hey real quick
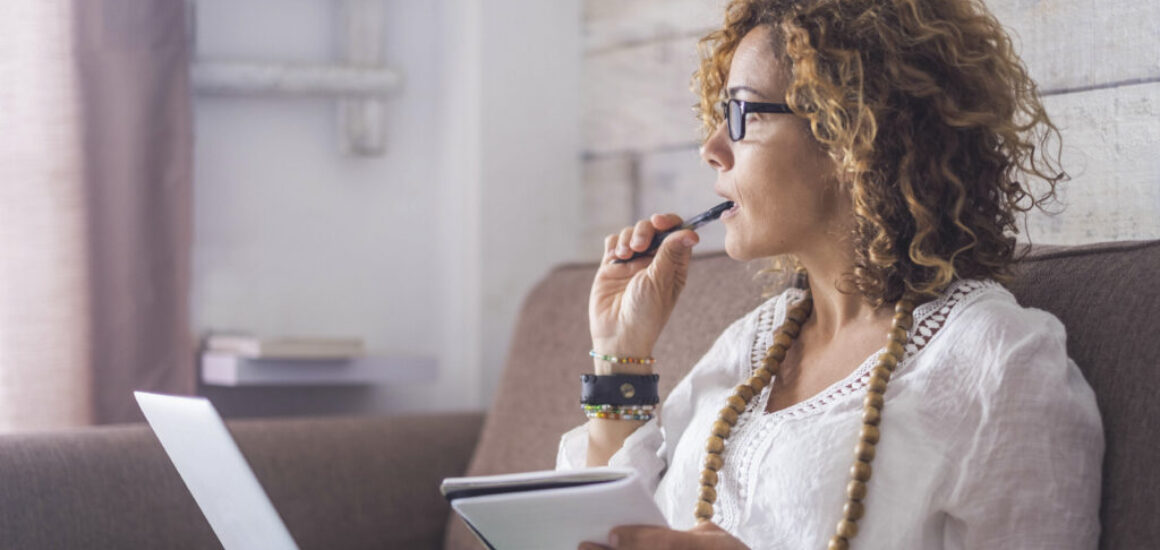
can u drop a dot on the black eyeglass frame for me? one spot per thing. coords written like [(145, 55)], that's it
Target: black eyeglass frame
[(737, 130)]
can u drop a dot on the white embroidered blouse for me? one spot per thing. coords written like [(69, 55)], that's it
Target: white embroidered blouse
[(990, 438)]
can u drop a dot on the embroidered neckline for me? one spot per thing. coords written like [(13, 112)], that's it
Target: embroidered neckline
[(929, 318)]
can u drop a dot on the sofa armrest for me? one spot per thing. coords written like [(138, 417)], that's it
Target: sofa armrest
[(337, 483)]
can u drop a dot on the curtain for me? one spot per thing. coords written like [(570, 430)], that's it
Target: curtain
[(95, 220)]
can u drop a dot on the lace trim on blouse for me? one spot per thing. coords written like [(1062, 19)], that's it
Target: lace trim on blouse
[(745, 444)]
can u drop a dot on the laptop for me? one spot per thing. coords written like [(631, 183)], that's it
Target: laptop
[(216, 473)]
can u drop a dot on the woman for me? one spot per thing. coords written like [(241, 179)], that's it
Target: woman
[(876, 143)]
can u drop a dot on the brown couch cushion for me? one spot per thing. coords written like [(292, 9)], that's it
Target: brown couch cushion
[(336, 482), (1102, 293), (1105, 296)]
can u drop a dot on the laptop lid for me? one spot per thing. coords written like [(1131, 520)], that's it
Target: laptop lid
[(216, 473)]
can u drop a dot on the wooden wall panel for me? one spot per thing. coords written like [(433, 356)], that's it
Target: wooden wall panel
[(616, 23), (1076, 44), (637, 98), (1110, 139), (609, 198)]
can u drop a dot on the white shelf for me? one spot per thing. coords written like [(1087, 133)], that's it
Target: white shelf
[(219, 369), (231, 78)]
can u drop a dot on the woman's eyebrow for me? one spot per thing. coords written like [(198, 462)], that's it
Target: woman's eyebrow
[(733, 91)]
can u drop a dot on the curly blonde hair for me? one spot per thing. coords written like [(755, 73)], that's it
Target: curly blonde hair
[(929, 115)]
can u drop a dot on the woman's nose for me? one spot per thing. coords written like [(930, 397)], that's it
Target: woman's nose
[(716, 150)]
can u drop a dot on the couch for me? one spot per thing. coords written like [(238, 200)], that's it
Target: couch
[(372, 482)]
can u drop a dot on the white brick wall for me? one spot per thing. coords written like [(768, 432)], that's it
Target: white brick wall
[(1097, 64)]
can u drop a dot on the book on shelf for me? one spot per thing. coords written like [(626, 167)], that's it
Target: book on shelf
[(551, 509), (254, 347)]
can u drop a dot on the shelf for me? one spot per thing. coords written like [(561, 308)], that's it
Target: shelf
[(238, 78), (358, 80), (231, 370)]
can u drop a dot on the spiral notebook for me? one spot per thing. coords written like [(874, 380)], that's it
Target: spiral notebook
[(551, 509)]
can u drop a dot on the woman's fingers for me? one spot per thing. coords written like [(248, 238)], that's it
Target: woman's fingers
[(622, 249), (702, 537), (642, 235), (665, 221), (592, 546), (672, 260), (707, 527), (609, 246), (638, 238), (640, 537)]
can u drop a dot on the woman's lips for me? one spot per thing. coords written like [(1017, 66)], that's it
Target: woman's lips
[(731, 212)]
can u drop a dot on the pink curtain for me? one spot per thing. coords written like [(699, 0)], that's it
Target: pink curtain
[(95, 221)]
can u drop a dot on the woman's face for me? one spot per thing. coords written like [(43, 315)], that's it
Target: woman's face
[(783, 184)]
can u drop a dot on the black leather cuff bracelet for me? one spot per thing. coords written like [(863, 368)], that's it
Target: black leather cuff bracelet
[(619, 389)]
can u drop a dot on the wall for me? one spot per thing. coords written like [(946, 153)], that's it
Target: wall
[(1096, 65), (425, 251), (530, 162)]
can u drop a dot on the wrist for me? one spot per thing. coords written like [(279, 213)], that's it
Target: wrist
[(604, 367), (621, 348), (605, 363)]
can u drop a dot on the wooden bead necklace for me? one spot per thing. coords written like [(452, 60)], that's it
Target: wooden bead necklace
[(871, 413)]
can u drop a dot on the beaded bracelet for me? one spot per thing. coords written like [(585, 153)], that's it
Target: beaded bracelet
[(614, 359), (619, 408), (619, 412), (619, 416), (616, 416)]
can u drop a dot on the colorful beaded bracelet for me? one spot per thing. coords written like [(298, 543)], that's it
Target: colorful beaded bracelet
[(620, 412), (618, 408), (619, 416), (614, 359)]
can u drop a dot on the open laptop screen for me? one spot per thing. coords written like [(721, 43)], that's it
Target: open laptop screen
[(216, 473)]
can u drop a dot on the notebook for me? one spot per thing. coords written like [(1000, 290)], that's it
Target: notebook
[(550, 510), (215, 472)]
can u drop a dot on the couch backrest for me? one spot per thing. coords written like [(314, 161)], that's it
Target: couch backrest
[(336, 482), (1104, 295)]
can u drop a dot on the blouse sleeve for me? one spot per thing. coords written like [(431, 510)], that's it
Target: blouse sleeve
[(641, 451), (1026, 473)]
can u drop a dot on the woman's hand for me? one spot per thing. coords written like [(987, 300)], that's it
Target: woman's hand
[(631, 302), (705, 536)]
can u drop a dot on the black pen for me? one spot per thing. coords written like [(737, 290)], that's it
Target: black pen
[(693, 223)]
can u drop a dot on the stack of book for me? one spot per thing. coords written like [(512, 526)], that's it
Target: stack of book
[(241, 359), (301, 348)]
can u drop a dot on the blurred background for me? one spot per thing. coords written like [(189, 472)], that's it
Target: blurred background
[(398, 174)]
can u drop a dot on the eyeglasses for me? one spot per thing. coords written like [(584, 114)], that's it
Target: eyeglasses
[(735, 111)]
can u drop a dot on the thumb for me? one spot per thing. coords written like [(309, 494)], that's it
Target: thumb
[(672, 258)]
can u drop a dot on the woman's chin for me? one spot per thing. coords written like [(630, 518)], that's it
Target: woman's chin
[(736, 251), (744, 251)]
